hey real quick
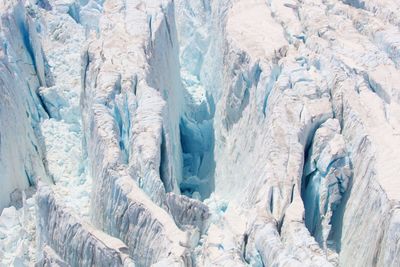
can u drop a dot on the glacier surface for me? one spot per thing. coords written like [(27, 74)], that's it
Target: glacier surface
[(199, 133)]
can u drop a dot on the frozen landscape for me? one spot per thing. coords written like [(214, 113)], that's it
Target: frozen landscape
[(200, 133)]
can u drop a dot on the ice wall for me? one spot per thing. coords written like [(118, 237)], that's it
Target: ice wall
[(326, 177), (274, 96), (308, 83), (355, 81), (87, 246), (50, 258), (23, 70), (131, 124)]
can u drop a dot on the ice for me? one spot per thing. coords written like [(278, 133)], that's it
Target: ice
[(325, 180), (196, 123), (188, 212), (199, 133), (119, 206), (50, 258), (58, 128), (86, 246), (21, 156), (62, 132), (17, 235)]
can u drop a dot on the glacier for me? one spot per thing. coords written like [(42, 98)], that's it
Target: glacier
[(199, 133)]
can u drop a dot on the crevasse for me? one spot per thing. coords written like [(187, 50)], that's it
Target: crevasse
[(196, 124)]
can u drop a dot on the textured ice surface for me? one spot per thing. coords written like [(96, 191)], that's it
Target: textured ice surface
[(17, 235), (21, 74), (199, 133), (86, 245)]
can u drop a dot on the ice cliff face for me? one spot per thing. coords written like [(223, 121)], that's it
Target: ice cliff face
[(22, 158), (199, 133)]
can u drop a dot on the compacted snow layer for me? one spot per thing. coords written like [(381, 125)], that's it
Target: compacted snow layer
[(199, 133)]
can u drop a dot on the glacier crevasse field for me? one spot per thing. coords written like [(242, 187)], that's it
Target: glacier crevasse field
[(199, 133)]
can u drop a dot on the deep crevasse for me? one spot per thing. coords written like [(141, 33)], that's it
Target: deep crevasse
[(196, 125)]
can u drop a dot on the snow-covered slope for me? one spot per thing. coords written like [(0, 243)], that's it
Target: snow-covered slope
[(199, 133)]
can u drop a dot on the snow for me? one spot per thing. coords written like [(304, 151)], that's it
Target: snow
[(253, 29)]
